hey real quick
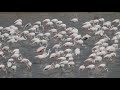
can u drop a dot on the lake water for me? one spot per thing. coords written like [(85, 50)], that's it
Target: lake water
[(8, 18)]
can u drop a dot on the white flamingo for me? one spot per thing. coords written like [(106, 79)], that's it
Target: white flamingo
[(14, 67), (98, 59), (68, 50), (41, 49), (18, 20), (77, 51), (54, 20), (74, 20), (91, 66), (57, 66), (44, 55), (49, 67), (103, 66), (82, 67), (62, 58), (9, 64), (2, 66), (68, 44), (71, 64)]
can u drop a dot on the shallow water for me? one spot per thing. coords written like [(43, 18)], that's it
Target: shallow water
[(7, 19)]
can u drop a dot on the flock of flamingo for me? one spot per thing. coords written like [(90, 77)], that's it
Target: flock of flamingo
[(59, 44)]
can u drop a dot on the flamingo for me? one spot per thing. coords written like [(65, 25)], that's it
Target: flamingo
[(12, 40), (78, 37), (104, 52), (117, 33), (102, 48), (16, 50), (1, 28), (82, 67), (91, 66), (110, 48), (105, 28), (63, 25), (2, 66), (49, 23), (101, 19), (89, 60), (68, 44), (93, 55), (46, 20), (40, 49), (12, 27), (85, 37), (47, 34), (87, 26), (108, 56), (94, 29), (59, 22), (18, 23), (63, 32), (53, 55), (116, 21), (74, 30), (53, 30), (32, 34), (36, 40), (70, 59), (98, 59), (6, 48), (104, 44), (71, 63), (65, 62), (10, 60), (74, 20), (103, 66), (107, 23), (96, 21), (57, 66), (2, 37), (54, 20), (9, 64), (44, 42), (18, 20), (56, 46), (68, 50), (69, 55), (115, 45), (14, 68), (2, 54), (6, 35), (62, 58), (112, 54), (38, 23), (29, 64), (77, 51), (86, 23), (49, 67), (114, 28), (16, 55), (79, 42), (27, 25), (116, 41), (44, 55), (68, 39), (40, 35), (32, 29)]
